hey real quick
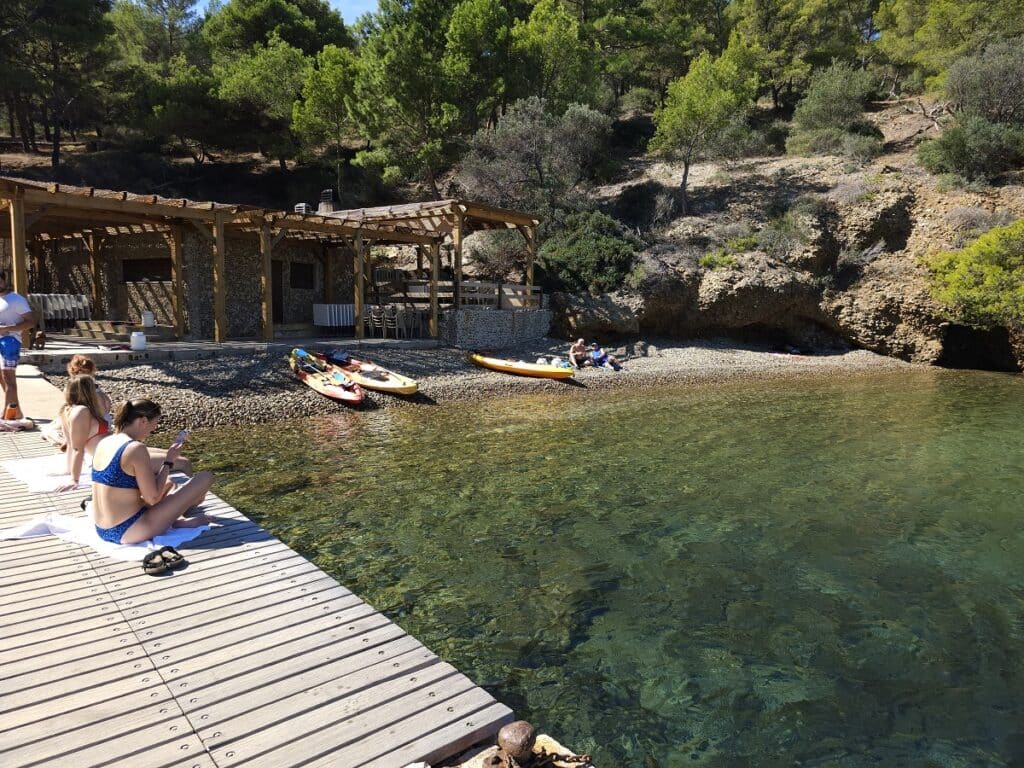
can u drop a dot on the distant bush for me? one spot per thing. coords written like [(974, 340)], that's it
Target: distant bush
[(593, 252), (640, 100), (715, 260), (784, 235), (974, 148), (966, 218), (990, 84), (497, 254), (983, 284), (830, 118)]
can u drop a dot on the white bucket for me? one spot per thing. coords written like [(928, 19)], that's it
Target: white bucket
[(138, 341), (148, 319)]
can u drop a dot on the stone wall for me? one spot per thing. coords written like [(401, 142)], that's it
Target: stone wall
[(491, 329), (67, 264)]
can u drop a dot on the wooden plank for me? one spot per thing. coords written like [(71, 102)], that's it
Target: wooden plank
[(220, 322), (177, 279), (435, 274), (251, 652), (266, 283), (359, 284), (458, 234), (19, 256)]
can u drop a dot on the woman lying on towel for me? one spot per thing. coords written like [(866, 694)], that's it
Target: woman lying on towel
[(84, 422), (131, 502)]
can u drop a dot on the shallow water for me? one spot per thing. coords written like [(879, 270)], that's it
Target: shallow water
[(795, 572)]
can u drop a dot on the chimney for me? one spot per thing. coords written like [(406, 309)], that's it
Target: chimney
[(303, 208), (326, 201)]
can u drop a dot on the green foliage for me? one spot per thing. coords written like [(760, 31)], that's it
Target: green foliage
[(476, 60), (983, 284), (498, 254), (974, 148), (263, 85), (927, 36), (235, 28), (829, 119), (186, 110), (402, 103), (592, 252), (535, 160), (639, 100), (323, 114), (556, 62), (713, 95), (720, 259), (991, 84)]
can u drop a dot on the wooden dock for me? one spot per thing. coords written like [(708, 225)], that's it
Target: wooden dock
[(249, 656)]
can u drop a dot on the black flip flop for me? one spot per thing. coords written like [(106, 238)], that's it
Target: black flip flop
[(172, 558), (153, 564)]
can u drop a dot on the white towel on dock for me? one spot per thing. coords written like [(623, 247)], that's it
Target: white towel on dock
[(45, 474), (81, 530)]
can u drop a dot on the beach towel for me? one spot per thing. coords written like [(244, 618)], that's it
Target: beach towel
[(81, 530), (45, 474)]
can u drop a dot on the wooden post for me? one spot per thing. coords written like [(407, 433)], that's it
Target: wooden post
[(329, 256), (457, 237), (19, 278), (266, 282), (173, 238), (435, 274), (419, 260), (530, 233), (94, 244), (220, 323), (358, 280)]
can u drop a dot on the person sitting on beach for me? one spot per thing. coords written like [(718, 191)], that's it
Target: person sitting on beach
[(131, 502), (601, 359), (80, 365), (578, 354), (83, 424)]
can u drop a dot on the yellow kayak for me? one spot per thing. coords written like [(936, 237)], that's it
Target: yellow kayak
[(520, 368), (367, 375)]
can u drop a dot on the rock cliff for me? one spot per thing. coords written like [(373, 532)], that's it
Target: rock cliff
[(808, 252)]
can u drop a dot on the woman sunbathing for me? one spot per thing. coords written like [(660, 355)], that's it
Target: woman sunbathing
[(131, 503), (84, 424)]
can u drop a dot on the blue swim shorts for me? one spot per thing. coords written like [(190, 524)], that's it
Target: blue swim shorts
[(10, 348)]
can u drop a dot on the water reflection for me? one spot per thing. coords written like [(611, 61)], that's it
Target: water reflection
[(829, 573)]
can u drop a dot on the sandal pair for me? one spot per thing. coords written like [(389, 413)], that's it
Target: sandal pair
[(161, 560)]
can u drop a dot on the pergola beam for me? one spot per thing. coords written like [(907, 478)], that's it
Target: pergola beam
[(358, 283), (220, 322), (266, 282), (18, 244)]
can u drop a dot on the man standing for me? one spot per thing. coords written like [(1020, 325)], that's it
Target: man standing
[(15, 317)]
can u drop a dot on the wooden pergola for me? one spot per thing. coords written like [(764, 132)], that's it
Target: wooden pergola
[(39, 212), (438, 220)]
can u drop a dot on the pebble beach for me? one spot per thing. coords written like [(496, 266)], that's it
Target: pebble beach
[(256, 388)]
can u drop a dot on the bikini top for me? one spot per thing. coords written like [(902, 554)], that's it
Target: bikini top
[(102, 429), (112, 475)]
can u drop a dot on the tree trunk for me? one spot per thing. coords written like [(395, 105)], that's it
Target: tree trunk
[(682, 187), (55, 154), (9, 102), (282, 163), (28, 140)]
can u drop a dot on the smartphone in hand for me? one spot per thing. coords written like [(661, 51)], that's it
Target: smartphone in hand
[(181, 438)]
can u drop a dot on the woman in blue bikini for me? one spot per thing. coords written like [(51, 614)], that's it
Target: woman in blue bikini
[(130, 502)]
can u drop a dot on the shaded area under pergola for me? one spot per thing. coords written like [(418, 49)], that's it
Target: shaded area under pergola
[(40, 212)]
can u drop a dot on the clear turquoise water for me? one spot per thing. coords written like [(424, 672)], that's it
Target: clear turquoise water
[(808, 573)]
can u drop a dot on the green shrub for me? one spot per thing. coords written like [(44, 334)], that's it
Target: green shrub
[(640, 100), (835, 99), (990, 84), (592, 252), (717, 260), (974, 148), (498, 254), (983, 284), (829, 120)]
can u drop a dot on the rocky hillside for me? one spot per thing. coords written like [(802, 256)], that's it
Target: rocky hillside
[(816, 253)]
